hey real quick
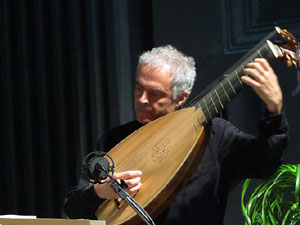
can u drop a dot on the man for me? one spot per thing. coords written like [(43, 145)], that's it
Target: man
[(164, 80)]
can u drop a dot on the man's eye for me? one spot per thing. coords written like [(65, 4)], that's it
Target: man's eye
[(155, 95), (137, 88)]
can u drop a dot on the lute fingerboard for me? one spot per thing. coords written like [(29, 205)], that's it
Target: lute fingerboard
[(214, 98)]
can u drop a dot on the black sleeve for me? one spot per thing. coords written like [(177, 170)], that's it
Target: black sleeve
[(82, 201), (246, 156)]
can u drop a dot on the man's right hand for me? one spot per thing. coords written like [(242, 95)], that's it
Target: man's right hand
[(131, 178)]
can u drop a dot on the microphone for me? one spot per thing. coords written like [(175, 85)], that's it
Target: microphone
[(96, 168)]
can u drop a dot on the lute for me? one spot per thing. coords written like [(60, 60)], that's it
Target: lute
[(169, 149)]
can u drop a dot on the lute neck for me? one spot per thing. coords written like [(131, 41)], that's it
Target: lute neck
[(214, 98)]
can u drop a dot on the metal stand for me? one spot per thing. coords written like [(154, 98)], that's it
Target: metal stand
[(125, 196)]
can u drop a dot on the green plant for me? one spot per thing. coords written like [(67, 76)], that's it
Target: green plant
[(276, 200)]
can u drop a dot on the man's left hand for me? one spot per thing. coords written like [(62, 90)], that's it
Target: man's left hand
[(264, 82)]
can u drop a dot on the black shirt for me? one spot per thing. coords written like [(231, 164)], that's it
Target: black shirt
[(230, 156)]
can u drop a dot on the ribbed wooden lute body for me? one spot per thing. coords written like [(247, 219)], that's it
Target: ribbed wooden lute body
[(168, 149)]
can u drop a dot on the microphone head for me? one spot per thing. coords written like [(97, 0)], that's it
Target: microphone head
[(96, 168), (99, 168)]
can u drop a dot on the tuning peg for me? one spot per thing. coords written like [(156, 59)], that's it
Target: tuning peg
[(288, 60), (295, 63)]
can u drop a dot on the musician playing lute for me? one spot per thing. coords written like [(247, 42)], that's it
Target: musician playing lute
[(164, 80)]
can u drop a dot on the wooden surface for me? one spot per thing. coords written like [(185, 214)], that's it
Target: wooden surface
[(50, 222), (161, 150)]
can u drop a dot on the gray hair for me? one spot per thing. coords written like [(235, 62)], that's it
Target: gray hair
[(182, 67)]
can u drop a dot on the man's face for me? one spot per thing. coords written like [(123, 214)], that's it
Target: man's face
[(153, 96)]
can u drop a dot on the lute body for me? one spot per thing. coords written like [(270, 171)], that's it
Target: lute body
[(164, 155)]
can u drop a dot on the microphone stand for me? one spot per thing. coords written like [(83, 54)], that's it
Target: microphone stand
[(125, 196)]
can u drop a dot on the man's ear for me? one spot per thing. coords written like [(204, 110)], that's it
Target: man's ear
[(182, 98)]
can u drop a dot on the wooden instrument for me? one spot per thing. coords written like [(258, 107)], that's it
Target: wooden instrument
[(168, 149)]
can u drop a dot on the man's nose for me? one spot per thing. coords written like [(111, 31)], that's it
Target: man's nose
[(144, 98)]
